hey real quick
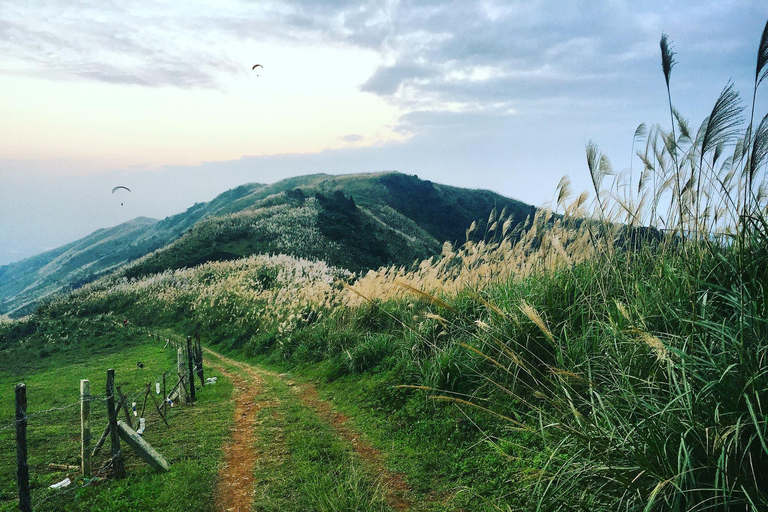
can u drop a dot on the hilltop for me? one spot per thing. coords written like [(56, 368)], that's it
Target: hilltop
[(356, 222)]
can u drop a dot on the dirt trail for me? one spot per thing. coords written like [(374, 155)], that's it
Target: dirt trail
[(235, 489)]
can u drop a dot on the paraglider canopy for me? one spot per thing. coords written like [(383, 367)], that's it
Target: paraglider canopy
[(256, 66), (118, 188)]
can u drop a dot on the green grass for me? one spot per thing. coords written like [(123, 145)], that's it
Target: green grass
[(303, 464), (191, 444), (455, 458)]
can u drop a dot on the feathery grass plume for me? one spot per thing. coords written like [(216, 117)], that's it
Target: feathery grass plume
[(432, 298), (442, 321), (563, 190), (761, 70), (719, 128), (599, 168), (759, 149), (667, 63), (662, 354), (506, 226), (471, 229), (534, 317), (667, 58), (640, 132), (683, 125)]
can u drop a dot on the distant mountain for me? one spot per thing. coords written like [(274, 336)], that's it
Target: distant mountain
[(24, 283), (358, 222)]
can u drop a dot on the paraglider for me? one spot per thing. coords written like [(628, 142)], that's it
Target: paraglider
[(257, 66), (118, 188)]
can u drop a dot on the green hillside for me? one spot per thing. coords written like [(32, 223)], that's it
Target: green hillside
[(24, 283), (357, 222)]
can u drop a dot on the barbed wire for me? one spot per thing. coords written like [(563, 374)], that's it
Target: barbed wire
[(29, 416), (178, 368), (102, 398)]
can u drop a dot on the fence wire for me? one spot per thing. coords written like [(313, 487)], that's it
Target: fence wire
[(34, 420)]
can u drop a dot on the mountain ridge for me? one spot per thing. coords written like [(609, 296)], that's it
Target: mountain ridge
[(355, 221)]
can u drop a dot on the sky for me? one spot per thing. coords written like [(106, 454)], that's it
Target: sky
[(161, 96)]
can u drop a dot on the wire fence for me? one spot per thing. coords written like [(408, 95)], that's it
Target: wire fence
[(54, 441)]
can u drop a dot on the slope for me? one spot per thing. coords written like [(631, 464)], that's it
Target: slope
[(358, 222), (24, 283)]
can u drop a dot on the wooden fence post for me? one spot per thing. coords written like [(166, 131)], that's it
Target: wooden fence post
[(85, 427), (124, 401), (190, 365), (117, 456), (179, 370), (165, 398), (199, 359), (22, 469)]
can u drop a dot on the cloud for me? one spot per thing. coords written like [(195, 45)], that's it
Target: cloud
[(426, 48), (352, 137), (388, 79)]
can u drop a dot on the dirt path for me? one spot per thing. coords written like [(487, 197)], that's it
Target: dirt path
[(235, 489)]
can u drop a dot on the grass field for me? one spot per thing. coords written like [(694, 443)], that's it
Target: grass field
[(191, 443)]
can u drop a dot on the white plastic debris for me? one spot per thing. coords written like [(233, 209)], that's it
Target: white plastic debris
[(142, 426), (133, 405), (157, 388), (211, 380), (63, 483)]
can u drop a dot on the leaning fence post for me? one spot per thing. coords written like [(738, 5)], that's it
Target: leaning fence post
[(180, 372), (124, 401), (85, 427), (199, 359), (190, 365), (117, 456), (22, 469)]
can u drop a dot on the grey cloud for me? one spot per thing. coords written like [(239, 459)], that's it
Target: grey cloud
[(386, 80), (352, 137), (419, 40)]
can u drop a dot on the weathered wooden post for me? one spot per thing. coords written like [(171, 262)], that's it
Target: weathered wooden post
[(117, 456), (124, 401), (85, 427), (180, 373), (190, 366), (199, 359), (165, 398), (22, 469)]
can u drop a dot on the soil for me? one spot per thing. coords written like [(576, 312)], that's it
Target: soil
[(234, 491)]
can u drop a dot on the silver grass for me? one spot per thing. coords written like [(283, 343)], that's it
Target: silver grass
[(761, 70), (759, 147)]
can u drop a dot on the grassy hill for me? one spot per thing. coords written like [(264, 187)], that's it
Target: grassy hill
[(357, 222), (24, 283)]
